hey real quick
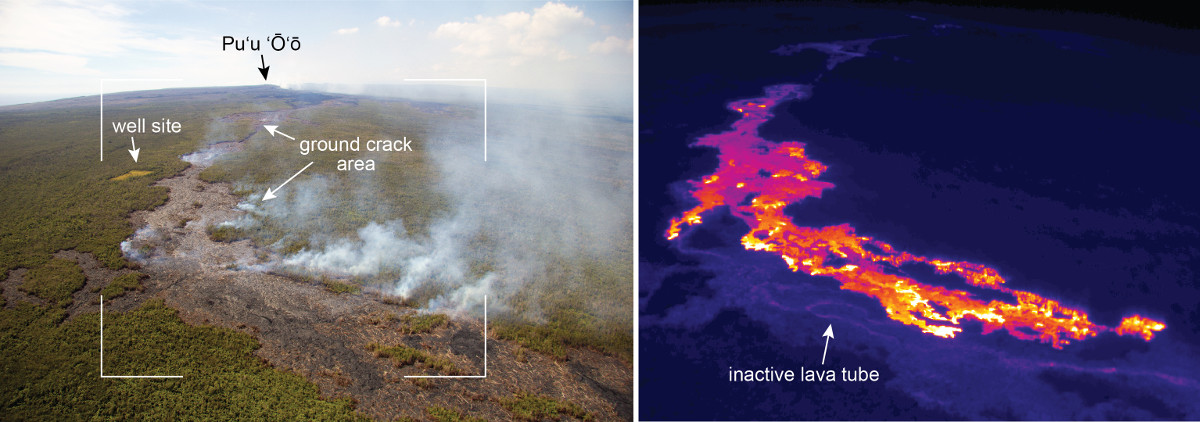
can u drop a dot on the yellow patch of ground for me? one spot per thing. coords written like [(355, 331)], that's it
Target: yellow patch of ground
[(132, 173)]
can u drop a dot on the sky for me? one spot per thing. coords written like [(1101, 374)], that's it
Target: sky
[(52, 49)]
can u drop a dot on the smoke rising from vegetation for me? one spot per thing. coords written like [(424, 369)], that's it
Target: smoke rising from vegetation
[(546, 220)]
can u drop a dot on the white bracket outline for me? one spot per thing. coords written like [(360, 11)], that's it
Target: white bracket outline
[(102, 353), (484, 353), (485, 103), (485, 319), (102, 296), (102, 104)]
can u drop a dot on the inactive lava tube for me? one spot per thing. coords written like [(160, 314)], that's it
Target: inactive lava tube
[(756, 179)]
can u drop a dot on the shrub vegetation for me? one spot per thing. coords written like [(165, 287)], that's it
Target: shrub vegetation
[(51, 370), (54, 281), (422, 323), (403, 356), (533, 407), (122, 284)]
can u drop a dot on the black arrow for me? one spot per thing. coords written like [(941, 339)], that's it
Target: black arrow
[(265, 68)]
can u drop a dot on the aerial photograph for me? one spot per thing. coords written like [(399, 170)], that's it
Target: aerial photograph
[(341, 211), (907, 211), (599, 210)]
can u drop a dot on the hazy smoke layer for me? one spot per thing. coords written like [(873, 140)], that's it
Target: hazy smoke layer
[(377, 247), (553, 196)]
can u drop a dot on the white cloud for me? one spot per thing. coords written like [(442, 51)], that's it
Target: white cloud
[(385, 21), (56, 48), (81, 28), (519, 36), (610, 45), (60, 27), (61, 63), (63, 36)]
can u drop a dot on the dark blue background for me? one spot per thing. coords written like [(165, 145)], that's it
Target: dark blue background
[(1064, 160)]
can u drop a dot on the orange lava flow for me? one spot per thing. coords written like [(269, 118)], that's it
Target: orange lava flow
[(756, 179)]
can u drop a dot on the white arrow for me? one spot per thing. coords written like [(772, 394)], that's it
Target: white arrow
[(134, 152), (828, 335), (274, 129), (271, 193)]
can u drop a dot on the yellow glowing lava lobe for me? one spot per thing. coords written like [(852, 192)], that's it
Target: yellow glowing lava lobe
[(757, 179), (1138, 325)]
